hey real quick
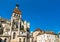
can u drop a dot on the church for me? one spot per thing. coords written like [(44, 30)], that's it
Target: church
[(18, 30), (15, 29)]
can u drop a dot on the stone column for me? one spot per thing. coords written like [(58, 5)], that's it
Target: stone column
[(7, 40), (21, 39), (25, 25), (31, 39), (25, 39), (19, 27)]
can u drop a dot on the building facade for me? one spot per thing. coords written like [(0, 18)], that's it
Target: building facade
[(47, 37), (15, 29), (35, 33)]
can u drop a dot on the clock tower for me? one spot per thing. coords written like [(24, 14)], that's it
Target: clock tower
[(16, 19)]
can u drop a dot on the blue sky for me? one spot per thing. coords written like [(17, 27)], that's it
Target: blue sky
[(43, 14)]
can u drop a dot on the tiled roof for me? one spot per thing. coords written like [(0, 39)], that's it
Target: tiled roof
[(17, 11), (38, 29), (50, 32), (47, 32)]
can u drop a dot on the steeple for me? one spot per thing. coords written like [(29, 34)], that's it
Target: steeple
[(16, 18), (16, 10)]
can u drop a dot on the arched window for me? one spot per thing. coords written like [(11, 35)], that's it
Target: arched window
[(19, 39), (0, 40), (24, 40), (16, 24), (14, 34), (1, 31), (5, 40), (28, 30)]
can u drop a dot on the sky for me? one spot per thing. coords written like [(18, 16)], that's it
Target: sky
[(43, 14)]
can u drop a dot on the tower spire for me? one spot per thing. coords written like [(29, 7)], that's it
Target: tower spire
[(16, 10)]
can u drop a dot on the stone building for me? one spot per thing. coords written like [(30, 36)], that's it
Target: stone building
[(47, 37), (59, 36), (15, 29), (35, 33)]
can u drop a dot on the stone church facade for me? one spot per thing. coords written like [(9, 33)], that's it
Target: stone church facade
[(18, 30), (15, 29)]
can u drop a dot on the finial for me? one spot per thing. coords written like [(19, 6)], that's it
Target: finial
[(17, 5)]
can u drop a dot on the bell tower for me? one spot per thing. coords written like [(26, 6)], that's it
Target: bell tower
[(16, 18)]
